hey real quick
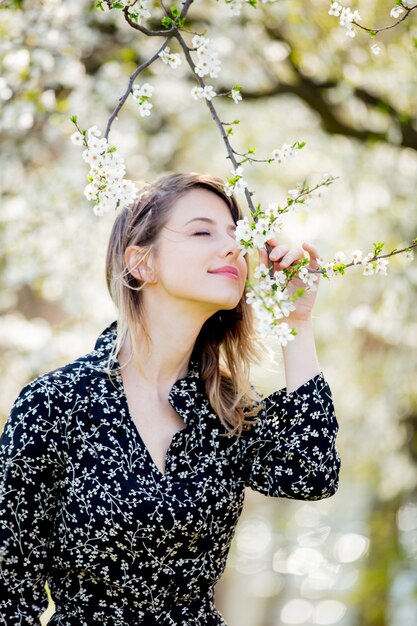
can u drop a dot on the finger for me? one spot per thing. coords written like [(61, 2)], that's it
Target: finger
[(278, 252), (314, 255), (272, 242), (296, 254)]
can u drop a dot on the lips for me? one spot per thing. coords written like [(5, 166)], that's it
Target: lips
[(226, 270)]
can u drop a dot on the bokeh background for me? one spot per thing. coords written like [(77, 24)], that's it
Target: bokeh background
[(346, 561)]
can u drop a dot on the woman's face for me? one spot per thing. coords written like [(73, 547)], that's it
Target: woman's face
[(196, 259)]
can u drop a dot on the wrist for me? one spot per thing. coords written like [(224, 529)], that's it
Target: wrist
[(299, 321)]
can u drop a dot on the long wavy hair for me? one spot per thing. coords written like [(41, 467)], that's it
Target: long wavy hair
[(227, 343)]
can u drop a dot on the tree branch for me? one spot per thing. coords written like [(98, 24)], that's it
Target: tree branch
[(132, 79), (375, 31), (216, 118), (314, 94)]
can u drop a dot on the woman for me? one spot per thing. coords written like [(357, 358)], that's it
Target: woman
[(124, 471)]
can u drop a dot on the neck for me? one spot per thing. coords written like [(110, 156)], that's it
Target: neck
[(164, 358)]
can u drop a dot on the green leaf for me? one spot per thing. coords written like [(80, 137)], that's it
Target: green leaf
[(297, 294), (175, 12), (73, 119), (378, 247), (134, 16), (167, 21)]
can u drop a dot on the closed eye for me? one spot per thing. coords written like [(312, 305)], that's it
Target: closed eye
[(201, 233)]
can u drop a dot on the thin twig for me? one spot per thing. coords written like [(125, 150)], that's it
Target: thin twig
[(132, 79), (215, 116), (374, 258), (374, 31)]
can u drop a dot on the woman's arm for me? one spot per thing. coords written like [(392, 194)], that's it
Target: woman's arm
[(29, 478), (300, 356), (291, 451)]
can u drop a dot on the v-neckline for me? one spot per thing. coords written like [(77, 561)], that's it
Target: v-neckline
[(138, 435)]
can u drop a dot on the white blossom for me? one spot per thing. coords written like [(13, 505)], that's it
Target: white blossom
[(346, 17), (381, 266), (206, 92), (236, 184), (170, 58), (208, 62), (107, 187), (141, 95), (145, 108), (283, 333), (261, 271), (376, 49), (339, 257), (335, 9), (77, 138), (234, 7), (307, 278), (285, 153), (396, 11), (368, 269), (243, 231), (256, 233), (271, 303), (93, 131), (236, 95), (409, 4), (356, 256), (146, 90), (141, 10), (328, 268), (367, 258)]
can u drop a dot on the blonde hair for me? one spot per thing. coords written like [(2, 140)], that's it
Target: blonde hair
[(227, 343)]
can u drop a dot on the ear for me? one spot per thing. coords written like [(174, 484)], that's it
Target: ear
[(138, 262)]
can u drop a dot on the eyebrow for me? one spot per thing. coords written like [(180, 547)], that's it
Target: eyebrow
[(208, 220)]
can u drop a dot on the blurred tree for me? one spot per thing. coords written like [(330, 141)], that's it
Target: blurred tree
[(301, 78)]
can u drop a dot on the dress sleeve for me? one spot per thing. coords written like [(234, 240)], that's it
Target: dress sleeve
[(290, 452), (29, 464)]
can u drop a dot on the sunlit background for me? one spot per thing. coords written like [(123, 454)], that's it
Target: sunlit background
[(346, 561)]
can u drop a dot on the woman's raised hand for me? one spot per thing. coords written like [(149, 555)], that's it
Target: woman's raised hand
[(283, 257)]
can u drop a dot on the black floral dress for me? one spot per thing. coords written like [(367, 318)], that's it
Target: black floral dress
[(84, 507)]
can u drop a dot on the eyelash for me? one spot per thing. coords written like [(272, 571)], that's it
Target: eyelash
[(201, 232)]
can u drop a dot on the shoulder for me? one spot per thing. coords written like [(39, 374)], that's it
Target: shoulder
[(54, 394)]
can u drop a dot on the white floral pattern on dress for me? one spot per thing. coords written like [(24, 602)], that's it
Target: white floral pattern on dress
[(85, 508)]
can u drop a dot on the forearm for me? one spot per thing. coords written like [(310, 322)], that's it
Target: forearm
[(300, 356)]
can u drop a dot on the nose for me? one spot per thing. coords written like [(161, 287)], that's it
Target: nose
[(230, 247)]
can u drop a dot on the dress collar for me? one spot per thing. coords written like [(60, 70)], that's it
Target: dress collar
[(184, 392)]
